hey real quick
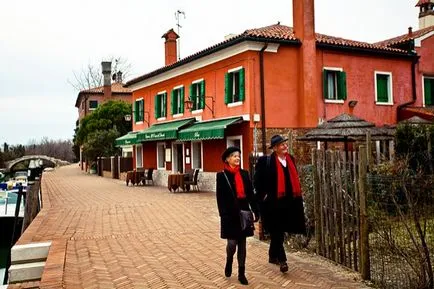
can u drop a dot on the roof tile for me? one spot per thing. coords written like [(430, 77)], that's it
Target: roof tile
[(275, 32), (405, 37)]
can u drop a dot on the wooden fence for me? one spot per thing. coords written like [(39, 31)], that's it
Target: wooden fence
[(341, 229)]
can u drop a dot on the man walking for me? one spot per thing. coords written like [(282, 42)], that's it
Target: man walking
[(279, 191)]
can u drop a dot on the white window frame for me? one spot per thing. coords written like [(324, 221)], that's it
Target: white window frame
[(175, 154), (390, 87), (192, 154), (236, 103), (236, 137), (161, 144), (161, 104), (137, 158), (423, 88), (197, 111), (139, 99), (178, 96), (338, 69)]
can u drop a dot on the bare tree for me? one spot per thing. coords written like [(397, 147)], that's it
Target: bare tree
[(91, 76)]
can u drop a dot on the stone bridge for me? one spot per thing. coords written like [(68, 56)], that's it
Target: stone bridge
[(55, 162)]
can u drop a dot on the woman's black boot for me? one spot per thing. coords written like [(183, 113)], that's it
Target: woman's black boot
[(228, 267), (241, 275)]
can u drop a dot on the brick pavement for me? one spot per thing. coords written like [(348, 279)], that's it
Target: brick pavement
[(107, 235)]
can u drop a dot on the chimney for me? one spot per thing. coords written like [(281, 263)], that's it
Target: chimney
[(304, 30), (106, 72), (170, 47), (410, 31)]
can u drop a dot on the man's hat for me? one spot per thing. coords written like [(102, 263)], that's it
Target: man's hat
[(228, 152), (276, 139)]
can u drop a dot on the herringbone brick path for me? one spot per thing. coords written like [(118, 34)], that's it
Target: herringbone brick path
[(107, 235)]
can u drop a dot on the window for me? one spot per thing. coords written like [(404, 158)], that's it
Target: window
[(196, 155), (177, 100), (93, 104), (197, 95), (160, 105), (138, 110), (161, 164), (335, 85), (428, 90), (383, 88), (234, 86), (139, 157)]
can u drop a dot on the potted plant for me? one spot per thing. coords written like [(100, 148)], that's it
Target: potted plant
[(93, 168)]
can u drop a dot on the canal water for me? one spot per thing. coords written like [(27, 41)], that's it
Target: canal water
[(7, 220)]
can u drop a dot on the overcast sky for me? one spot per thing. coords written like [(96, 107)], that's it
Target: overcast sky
[(43, 42)]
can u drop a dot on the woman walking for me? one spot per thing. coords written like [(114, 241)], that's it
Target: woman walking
[(235, 194)]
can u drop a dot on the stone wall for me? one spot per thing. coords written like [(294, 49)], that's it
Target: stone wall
[(300, 149)]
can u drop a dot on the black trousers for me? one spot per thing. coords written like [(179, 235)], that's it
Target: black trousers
[(241, 253), (277, 251)]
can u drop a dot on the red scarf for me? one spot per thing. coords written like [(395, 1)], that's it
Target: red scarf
[(239, 185), (293, 175)]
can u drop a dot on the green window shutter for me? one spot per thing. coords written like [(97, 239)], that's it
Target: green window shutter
[(142, 109), (192, 97), (428, 91), (164, 114), (382, 89), (228, 88), (136, 111), (182, 100), (157, 106), (325, 84), (172, 102), (342, 85), (202, 94), (242, 85)]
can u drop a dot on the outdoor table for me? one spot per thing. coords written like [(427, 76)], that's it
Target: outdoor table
[(134, 177), (175, 181)]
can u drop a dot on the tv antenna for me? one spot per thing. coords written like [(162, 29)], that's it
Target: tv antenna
[(178, 14)]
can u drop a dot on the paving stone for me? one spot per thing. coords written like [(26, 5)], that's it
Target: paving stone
[(108, 235)]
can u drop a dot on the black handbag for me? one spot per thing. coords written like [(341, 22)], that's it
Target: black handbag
[(246, 216)]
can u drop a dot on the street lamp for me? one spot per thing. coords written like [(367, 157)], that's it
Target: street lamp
[(128, 117), (189, 104)]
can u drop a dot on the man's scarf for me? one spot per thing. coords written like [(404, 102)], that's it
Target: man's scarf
[(293, 175)]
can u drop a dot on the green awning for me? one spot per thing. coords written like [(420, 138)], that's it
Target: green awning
[(214, 129), (163, 131), (128, 139)]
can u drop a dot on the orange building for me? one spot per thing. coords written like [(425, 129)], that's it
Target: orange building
[(260, 82)]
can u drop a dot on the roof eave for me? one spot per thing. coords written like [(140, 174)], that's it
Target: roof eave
[(363, 50), (232, 42)]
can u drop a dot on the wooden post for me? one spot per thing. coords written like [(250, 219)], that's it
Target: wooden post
[(321, 175), (316, 201), (340, 207), (391, 150), (32, 205), (290, 142), (370, 159), (364, 232), (428, 136), (329, 203), (356, 214)]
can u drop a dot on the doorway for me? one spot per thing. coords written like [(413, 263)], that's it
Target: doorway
[(178, 157)]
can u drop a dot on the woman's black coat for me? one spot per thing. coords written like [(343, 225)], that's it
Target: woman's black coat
[(286, 214), (229, 207)]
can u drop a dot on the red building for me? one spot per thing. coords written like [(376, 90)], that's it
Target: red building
[(261, 82), (89, 99)]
